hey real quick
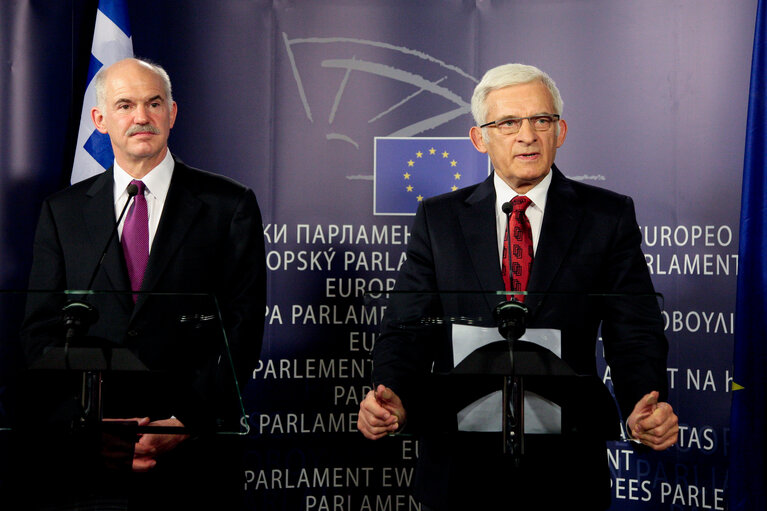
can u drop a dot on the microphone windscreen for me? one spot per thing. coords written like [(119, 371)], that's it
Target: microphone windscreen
[(132, 190), (507, 208)]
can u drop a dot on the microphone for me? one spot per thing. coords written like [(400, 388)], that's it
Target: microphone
[(511, 318), (78, 314), (132, 192)]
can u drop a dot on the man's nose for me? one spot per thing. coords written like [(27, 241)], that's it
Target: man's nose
[(526, 132), (140, 115)]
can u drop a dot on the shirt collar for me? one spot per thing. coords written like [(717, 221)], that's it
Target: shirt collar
[(504, 193), (157, 181)]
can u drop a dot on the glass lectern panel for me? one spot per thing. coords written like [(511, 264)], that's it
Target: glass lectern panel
[(85, 359)]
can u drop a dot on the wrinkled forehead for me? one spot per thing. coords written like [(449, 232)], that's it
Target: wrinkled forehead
[(134, 80), (521, 100)]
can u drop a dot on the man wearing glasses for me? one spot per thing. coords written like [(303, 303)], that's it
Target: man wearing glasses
[(569, 240)]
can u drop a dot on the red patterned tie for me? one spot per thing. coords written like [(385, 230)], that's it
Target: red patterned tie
[(521, 248), (135, 238)]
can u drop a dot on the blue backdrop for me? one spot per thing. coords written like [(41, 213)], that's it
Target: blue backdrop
[(299, 99)]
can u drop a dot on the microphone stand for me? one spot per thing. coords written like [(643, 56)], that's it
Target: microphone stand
[(78, 316), (511, 318)]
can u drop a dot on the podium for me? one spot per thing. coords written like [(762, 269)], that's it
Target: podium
[(513, 364), (95, 361), (505, 363), (175, 340)]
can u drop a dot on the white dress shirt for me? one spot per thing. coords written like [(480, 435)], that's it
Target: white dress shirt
[(156, 182), (537, 195)]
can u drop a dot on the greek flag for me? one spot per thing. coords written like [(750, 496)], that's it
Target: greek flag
[(111, 42)]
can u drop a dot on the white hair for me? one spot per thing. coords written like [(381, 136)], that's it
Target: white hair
[(505, 76)]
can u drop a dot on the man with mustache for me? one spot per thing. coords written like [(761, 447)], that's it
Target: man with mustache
[(198, 233), (583, 244)]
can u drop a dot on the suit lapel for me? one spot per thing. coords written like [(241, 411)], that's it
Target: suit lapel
[(560, 223), (477, 220), (99, 219), (180, 209)]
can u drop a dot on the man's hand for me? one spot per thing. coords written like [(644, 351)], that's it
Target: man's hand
[(381, 413), (150, 445), (654, 424)]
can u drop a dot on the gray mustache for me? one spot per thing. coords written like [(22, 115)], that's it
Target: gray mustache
[(142, 128)]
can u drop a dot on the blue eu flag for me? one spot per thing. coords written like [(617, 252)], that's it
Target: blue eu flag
[(748, 421), (409, 170)]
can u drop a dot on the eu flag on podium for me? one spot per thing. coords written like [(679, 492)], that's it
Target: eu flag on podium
[(111, 42), (748, 420)]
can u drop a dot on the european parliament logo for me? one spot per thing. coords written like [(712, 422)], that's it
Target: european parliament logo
[(409, 170)]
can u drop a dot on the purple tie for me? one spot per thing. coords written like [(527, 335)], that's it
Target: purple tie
[(135, 239)]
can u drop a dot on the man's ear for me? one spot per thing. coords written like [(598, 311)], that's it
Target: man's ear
[(98, 119), (562, 133), (475, 133), (173, 112)]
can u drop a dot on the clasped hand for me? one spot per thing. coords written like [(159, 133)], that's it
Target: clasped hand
[(653, 424), (381, 413), (148, 446)]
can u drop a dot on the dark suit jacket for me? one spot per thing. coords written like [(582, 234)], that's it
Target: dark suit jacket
[(209, 240), (589, 245)]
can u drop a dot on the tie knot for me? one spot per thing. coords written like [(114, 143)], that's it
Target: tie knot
[(140, 185), (520, 203)]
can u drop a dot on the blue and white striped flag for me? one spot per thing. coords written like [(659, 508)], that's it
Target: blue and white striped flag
[(111, 42)]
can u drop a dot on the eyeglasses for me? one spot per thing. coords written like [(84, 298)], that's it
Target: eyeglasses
[(511, 125)]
